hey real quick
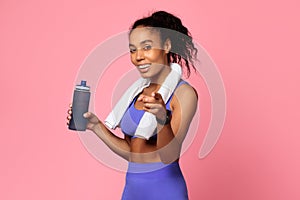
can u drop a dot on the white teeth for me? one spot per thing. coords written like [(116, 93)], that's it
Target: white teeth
[(144, 66)]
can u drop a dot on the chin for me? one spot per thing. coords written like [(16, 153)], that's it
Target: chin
[(146, 75), (149, 75)]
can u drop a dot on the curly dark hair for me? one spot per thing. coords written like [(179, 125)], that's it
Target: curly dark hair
[(183, 50)]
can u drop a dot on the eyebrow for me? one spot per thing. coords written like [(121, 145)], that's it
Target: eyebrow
[(142, 42)]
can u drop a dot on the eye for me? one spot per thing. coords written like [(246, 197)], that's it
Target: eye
[(132, 50), (147, 47)]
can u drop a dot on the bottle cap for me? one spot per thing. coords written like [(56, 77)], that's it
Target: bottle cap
[(83, 83), (82, 86)]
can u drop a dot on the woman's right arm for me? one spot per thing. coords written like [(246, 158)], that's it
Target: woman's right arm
[(118, 145)]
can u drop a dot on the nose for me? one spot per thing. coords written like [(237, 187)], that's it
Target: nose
[(139, 55)]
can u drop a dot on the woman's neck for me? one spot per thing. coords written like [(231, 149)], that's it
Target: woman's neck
[(159, 79)]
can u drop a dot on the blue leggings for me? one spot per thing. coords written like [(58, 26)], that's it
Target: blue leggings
[(154, 181)]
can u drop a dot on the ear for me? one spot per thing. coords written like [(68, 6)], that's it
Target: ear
[(167, 46)]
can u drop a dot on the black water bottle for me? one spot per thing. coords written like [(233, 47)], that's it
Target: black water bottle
[(80, 105)]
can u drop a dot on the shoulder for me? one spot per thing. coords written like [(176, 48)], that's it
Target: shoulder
[(184, 89), (184, 93)]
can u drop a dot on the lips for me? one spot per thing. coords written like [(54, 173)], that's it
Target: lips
[(144, 68)]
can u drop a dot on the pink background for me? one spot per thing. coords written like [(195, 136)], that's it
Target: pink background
[(255, 45)]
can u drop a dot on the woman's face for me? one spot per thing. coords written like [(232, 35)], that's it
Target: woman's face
[(147, 52)]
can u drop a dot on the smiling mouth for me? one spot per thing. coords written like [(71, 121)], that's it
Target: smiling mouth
[(144, 66)]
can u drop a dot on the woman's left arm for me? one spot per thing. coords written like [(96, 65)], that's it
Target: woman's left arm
[(170, 136)]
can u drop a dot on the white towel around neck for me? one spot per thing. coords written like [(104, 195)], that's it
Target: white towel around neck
[(147, 126)]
